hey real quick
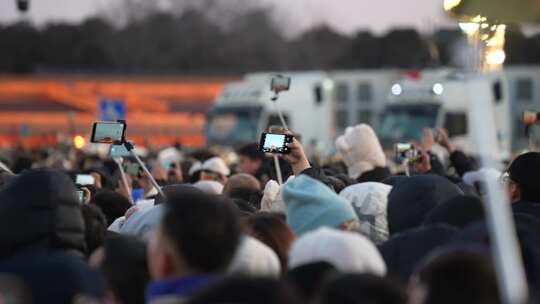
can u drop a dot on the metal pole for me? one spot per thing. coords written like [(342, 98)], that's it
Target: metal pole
[(278, 169), (281, 118), (124, 179)]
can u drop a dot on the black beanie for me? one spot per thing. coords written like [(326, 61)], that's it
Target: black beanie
[(525, 171)]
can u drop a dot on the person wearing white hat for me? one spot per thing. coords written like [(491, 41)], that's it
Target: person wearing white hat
[(349, 252), (215, 169), (254, 259), (210, 187), (363, 154)]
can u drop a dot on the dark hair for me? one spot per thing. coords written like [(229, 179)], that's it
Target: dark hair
[(363, 288), (204, 229), (22, 163), (245, 207), (308, 279), (274, 232), (524, 172), (459, 277), (95, 226), (125, 268), (112, 204), (246, 290), (251, 151)]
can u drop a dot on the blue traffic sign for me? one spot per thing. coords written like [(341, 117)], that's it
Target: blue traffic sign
[(111, 110)]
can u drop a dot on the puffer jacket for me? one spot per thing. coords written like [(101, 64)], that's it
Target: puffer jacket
[(40, 212)]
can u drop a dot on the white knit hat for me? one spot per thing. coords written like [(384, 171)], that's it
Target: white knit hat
[(361, 150), (254, 259), (472, 177), (349, 252), (369, 201), (210, 187), (216, 165)]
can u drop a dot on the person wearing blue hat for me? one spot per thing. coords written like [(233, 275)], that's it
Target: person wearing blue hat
[(311, 205)]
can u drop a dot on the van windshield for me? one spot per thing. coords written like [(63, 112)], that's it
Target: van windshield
[(402, 123), (230, 125)]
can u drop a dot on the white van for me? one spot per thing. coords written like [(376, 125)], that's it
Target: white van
[(244, 109), (442, 98)]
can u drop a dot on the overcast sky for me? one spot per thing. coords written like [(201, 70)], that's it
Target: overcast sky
[(344, 15)]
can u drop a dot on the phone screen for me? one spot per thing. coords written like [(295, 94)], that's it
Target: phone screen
[(84, 179), (118, 151), (280, 83), (275, 143), (405, 151), (108, 132), (132, 169)]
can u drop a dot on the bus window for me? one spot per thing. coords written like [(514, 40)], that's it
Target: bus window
[(364, 92), (273, 120), (455, 124), (342, 92), (524, 90)]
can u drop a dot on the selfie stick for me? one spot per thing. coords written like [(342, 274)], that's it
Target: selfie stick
[(118, 161), (274, 100), (129, 146), (406, 166)]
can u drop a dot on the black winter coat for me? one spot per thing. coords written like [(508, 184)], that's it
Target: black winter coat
[(40, 212)]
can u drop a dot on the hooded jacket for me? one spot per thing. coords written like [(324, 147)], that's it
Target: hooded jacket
[(403, 253), (40, 212), (413, 198)]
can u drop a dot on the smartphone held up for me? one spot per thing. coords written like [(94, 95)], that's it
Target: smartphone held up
[(275, 143), (406, 152), (108, 132)]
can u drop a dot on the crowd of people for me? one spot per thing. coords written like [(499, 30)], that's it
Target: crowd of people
[(221, 229)]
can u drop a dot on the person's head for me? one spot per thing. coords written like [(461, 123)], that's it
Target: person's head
[(414, 197), (456, 277), (250, 159), (241, 183), (370, 201), (246, 291), (198, 233), (246, 208), (524, 177), (113, 204), (40, 211), (459, 212), (404, 251), (215, 169), (363, 288), (361, 150), (95, 227), (311, 205), (122, 261), (349, 252), (272, 230), (209, 186), (254, 259), (309, 279)]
